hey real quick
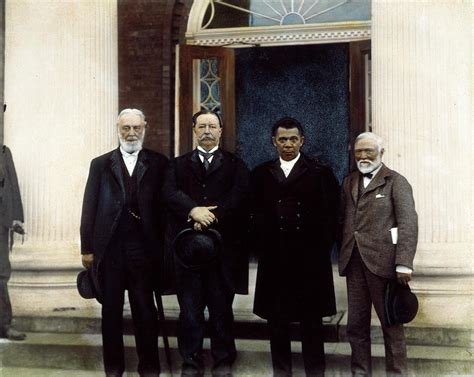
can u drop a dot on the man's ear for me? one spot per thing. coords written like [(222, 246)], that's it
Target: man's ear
[(274, 141), (382, 152), (302, 140)]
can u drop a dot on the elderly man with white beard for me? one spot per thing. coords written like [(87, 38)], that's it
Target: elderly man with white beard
[(121, 241), (379, 237)]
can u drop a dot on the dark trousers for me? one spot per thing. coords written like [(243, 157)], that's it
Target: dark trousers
[(196, 291), (129, 267), (364, 289), (5, 272), (312, 342)]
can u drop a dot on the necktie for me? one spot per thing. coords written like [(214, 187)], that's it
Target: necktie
[(206, 156), (368, 175)]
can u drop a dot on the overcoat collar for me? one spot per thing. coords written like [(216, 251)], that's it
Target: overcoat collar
[(198, 168), (379, 180), (300, 167)]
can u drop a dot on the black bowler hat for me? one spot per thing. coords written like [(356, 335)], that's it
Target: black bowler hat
[(401, 304), (195, 250), (86, 285)]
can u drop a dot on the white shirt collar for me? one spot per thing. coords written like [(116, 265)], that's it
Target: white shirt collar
[(128, 155), (211, 151), (374, 173)]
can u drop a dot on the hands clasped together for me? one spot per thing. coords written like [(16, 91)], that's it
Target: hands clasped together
[(202, 217)]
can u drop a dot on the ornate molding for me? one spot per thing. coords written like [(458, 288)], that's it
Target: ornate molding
[(282, 35)]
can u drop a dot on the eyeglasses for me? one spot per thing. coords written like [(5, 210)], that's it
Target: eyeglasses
[(204, 126), (369, 152), (137, 129)]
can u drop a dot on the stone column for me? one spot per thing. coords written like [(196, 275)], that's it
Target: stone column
[(61, 87), (422, 99)]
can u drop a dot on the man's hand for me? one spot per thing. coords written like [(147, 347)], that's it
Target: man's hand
[(197, 227), (87, 260), (203, 215), (403, 277)]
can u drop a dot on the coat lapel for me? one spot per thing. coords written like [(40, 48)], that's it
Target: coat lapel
[(276, 171), (299, 168), (216, 162), (142, 166), (116, 169), (196, 165), (355, 186), (379, 179)]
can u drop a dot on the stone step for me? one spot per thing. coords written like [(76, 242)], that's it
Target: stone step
[(75, 354), (246, 327)]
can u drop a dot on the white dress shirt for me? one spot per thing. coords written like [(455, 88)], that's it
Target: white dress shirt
[(374, 173), (287, 166), (130, 160)]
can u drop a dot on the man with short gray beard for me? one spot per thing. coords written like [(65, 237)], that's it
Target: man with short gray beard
[(121, 238), (379, 237)]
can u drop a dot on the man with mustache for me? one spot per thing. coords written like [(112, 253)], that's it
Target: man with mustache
[(295, 211), (208, 188), (379, 237), (121, 241)]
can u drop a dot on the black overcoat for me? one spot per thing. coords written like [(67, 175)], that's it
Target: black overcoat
[(104, 201), (295, 222), (226, 185), (10, 200)]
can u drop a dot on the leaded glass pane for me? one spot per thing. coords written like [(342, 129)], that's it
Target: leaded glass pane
[(210, 84), (249, 13)]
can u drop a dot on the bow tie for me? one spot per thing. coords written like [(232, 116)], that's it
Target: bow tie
[(206, 156), (368, 175)]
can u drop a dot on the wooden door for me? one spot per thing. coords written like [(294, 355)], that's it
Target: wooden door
[(188, 99), (360, 93)]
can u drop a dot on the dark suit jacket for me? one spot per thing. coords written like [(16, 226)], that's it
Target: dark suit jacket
[(296, 220), (104, 200), (10, 199), (387, 202), (225, 185)]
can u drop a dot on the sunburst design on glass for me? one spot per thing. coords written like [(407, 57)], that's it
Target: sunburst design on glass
[(210, 85), (286, 12)]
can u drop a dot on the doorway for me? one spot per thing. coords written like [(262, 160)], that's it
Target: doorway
[(309, 83)]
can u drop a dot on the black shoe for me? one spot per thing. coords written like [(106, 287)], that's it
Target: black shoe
[(223, 370), (12, 334)]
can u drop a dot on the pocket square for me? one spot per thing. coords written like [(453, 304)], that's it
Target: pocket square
[(378, 196)]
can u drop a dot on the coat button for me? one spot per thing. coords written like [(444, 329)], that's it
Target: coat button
[(281, 217), (299, 203), (205, 198), (279, 201), (203, 185), (297, 228), (298, 215)]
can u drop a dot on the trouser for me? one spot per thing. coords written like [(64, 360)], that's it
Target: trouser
[(129, 268), (5, 272), (312, 342), (364, 289), (196, 291)]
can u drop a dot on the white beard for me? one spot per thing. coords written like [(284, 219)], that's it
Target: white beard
[(131, 146), (367, 166)]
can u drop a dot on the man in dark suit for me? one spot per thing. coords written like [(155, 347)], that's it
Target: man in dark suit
[(294, 204), (208, 187), (121, 240), (379, 237), (11, 217)]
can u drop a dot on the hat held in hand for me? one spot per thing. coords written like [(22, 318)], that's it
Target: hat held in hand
[(195, 250), (86, 285), (401, 304)]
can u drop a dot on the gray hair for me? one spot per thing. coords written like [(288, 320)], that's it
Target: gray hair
[(372, 136), (131, 111)]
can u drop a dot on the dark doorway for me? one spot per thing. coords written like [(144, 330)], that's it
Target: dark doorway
[(309, 83)]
